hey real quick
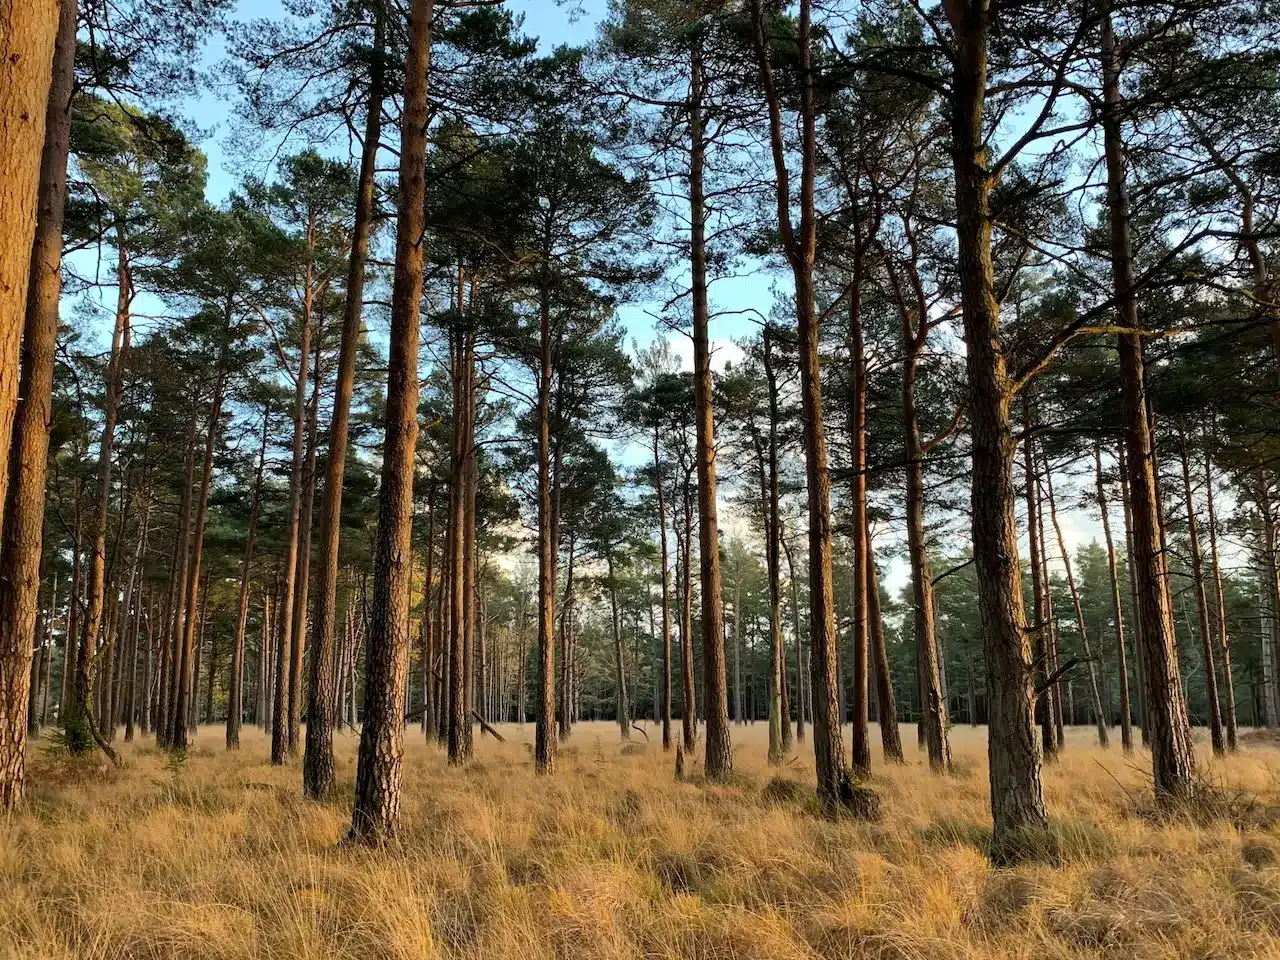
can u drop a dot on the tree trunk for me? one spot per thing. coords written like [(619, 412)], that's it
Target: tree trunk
[(280, 725), (664, 693), (620, 681), (189, 648), (95, 613), (1202, 610), (689, 696), (933, 705), (1220, 611), (834, 787), (235, 692), (35, 103), (860, 743), (1122, 463), (548, 548), (719, 747), (429, 691), (1017, 797), (378, 773), (1099, 716), (172, 628), (27, 46), (317, 765), (738, 715), (1040, 612), (779, 721), (1173, 760), (1117, 611), (302, 578), (266, 665), (886, 700), (801, 688), (1268, 602), (469, 560)]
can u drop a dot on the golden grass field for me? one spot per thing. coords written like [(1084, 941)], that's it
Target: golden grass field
[(223, 858)]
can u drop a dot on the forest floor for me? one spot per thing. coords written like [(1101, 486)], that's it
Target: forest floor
[(221, 857)]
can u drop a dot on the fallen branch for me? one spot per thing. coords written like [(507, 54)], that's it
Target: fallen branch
[(488, 729), (100, 740), (635, 726)]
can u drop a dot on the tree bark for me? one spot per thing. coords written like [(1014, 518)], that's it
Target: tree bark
[(280, 724), (801, 697), (1220, 611), (235, 692), (834, 786), (302, 578), (1173, 759), (719, 747), (95, 608), (860, 742), (378, 769), (689, 695), (1017, 797), (779, 721), (1099, 716), (1044, 659), (934, 705), (665, 689), (886, 700), (622, 714), (1117, 611), (428, 634), (1122, 464), (27, 45), (317, 764), (36, 123), (470, 566), (189, 650), (1216, 737), (172, 629)]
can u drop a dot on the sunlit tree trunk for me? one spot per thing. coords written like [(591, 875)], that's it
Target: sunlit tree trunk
[(378, 768), (665, 689), (317, 767), (545, 702), (933, 713), (27, 48), (620, 681), (860, 742), (36, 76)]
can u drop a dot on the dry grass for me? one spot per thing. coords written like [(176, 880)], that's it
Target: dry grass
[(222, 858)]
